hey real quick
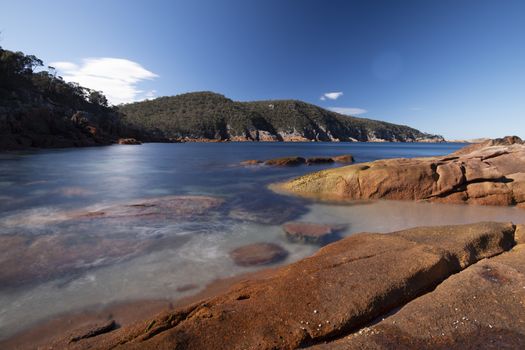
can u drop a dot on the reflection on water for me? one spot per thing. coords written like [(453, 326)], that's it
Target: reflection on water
[(85, 226)]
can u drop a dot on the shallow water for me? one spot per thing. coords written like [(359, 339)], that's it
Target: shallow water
[(40, 190)]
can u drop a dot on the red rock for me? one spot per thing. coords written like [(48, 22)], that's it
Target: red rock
[(94, 330), (129, 141), (347, 159), (344, 286), (258, 254), (286, 161), (491, 173), (478, 308), (519, 235), (310, 232)]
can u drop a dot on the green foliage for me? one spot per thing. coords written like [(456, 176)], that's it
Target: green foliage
[(213, 116), (97, 98), (39, 109), (18, 77)]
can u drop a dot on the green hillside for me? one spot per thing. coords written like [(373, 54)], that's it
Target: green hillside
[(207, 115)]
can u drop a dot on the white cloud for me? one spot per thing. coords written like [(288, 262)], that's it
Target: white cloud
[(117, 78), (150, 95), (348, 110), (331, 95)]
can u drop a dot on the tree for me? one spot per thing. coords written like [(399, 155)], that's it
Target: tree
[(98, 98)]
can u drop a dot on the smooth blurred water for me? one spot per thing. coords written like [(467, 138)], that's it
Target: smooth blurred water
[(38, 189)]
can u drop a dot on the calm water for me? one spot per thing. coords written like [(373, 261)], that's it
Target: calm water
[(105, 261)]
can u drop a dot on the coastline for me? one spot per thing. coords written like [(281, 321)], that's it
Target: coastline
[(124, 313), (307, 303), (138, 142), (436, 254)]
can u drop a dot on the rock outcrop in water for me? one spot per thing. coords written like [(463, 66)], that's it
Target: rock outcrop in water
[(348, 284), (490, 173), (258, 254), (308, 232), (294, 161)]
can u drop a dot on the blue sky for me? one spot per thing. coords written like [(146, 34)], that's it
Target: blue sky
[(456, 68)]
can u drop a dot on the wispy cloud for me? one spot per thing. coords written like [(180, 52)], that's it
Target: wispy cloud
[(331, 95), (117, 78), (348, 110)]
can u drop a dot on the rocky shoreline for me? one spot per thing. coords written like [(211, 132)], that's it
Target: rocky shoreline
[(440, 287), (490, 173), (332, 298)]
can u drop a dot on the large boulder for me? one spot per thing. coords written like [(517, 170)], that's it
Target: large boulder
[(344, 286), (479, 308), (491, 173)]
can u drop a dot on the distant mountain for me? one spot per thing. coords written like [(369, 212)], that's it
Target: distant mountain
[(207, 116), (39, 109)]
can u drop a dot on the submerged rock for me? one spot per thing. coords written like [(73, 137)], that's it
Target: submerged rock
[(266, 209), (258, 254), (27, 259), (311, 233), (491, 173), (168, 207), (344, 286)]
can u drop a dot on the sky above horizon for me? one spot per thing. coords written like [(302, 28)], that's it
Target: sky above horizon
[(450, 67)]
